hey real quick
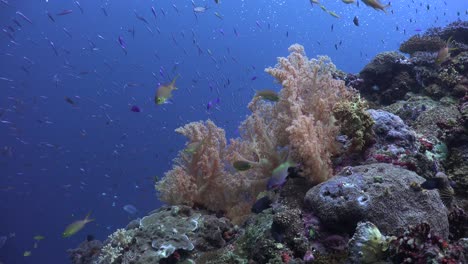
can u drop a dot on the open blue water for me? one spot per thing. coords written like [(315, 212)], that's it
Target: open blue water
[(59, 161)]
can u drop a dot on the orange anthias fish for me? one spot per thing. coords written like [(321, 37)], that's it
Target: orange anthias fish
[(164, 92), (376, 5), (444, 53)]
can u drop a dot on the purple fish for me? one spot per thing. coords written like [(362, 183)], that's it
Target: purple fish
[(50, 16), (122, 44), (209, 105), (254, 78), (154, 12), (65, 12), (135, 109), (79, 6), (213, 103)]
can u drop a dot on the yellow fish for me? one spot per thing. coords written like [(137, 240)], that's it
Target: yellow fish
[(164, 92), (333, 14), (348, 1), (27, 253), (39, 237), (76, 226), (444, 53), (376, 5), (268, 95)]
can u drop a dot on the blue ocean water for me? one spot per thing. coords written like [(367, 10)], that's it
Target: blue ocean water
[(69, 142)]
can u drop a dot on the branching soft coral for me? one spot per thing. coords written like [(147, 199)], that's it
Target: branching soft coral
[(300, 126), (197, 172), (304, 113), (199, 175)]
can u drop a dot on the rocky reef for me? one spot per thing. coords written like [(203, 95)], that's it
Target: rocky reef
[(398, 189)]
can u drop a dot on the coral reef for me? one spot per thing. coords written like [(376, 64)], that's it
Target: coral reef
[(302, 121), (170, 232), (359, 185)]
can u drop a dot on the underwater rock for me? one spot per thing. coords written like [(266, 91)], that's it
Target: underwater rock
[(386, 78), (392, 132), (457, 167), (379, 193)]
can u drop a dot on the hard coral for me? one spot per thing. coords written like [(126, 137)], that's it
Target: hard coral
[(355, 122), (367, 245), (422, 43)]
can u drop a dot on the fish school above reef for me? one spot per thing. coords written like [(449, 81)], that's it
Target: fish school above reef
[(338, 168)]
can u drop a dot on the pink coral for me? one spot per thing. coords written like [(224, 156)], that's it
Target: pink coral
[(304, 114), (300, 127), (199, 176)]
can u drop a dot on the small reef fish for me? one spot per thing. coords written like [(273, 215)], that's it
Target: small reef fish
[(218, 15), (213, 103), (69, 100), (356, 21), (76, 226), (135, 109), (279, 175), (442, 183), (268, 95), (199, 9), (79, 6), (193, 147), (24, 17), (50, 16), (164, 92), (444, 53), (65, 12), (130, 209), (333, 14), (27, 253), (348, 1), (241, 165), (39, 238), (376, 5)]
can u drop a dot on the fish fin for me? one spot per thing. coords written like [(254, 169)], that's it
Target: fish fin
[(174, 80), (384, 8)]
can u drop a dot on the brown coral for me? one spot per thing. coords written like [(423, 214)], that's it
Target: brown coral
[(422, 43)]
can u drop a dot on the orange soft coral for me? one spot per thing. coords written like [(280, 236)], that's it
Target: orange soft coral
[(304, 113)]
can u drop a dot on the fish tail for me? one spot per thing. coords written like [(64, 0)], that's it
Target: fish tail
[(87, 219)]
